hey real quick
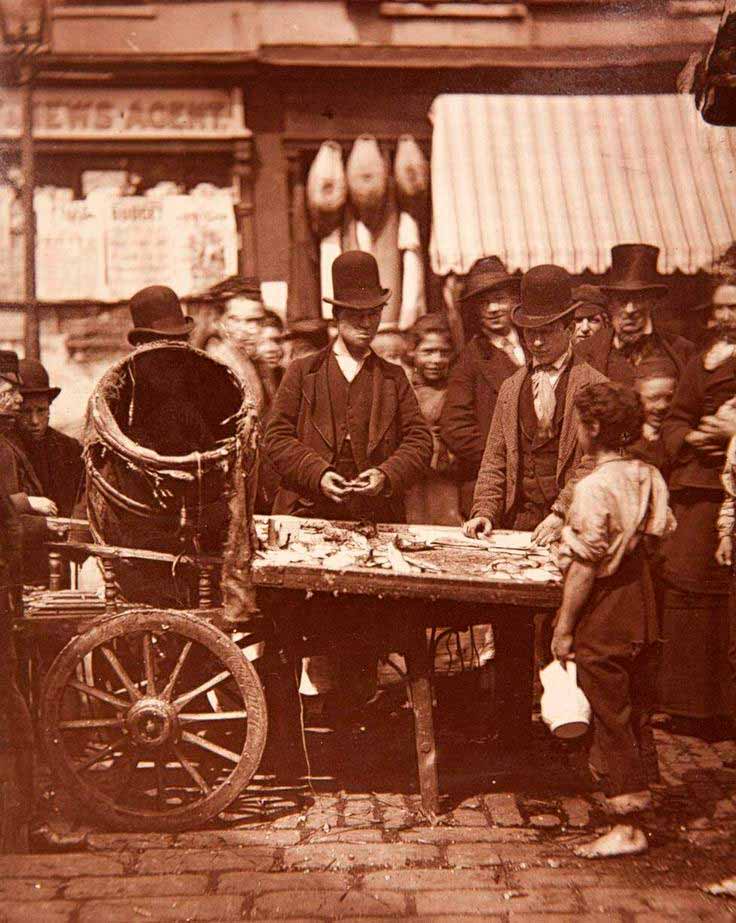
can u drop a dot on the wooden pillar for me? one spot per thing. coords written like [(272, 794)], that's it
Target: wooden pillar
[(242, 174), (297, 183)]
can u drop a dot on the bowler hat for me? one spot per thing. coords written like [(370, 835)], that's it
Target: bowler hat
[(589, 301), (9, 366), (634, 269), (546, 296), (355, 282), (156, 311), (35, 380), (485, 275)]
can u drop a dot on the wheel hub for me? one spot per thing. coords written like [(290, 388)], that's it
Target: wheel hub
[(151, 722)]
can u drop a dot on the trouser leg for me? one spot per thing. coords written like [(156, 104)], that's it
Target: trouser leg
[(606, 681)]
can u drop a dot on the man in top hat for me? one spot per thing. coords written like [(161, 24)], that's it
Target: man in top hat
[(590, 313), (56, 458), (532, 448), (633, 290), (157, 315), (345, 433), (492, 355), (240, 329)]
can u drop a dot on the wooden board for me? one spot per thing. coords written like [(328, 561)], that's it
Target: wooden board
[(457, 579)]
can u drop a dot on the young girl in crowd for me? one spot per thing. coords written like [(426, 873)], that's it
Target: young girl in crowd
[(608, 618), (436, 499)]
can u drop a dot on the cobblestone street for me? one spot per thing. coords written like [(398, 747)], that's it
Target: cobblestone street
[(347, 853)]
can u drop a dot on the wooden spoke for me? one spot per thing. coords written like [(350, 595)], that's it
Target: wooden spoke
[(169, 688), (148, 664), (122, 673), (88, 723), (191, 717), (204, 687), (95, 758), (208, 745), (193, 771), (100, 694)]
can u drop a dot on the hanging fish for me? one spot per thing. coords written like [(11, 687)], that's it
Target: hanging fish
[(326, 189), (411, 171), (367, 177)]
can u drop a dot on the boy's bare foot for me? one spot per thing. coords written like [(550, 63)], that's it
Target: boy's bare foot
[(621, 840)]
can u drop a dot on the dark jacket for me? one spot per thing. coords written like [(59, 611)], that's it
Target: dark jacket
[(19, 482), (699, 393), (11, 535), (299, 440), (598, 351), (499, 475), (57, 462), (472, 392)]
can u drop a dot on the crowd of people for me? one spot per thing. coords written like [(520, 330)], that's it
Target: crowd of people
[(568, 413)]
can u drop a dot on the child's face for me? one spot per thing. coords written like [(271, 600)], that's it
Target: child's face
[(389, 346), (432, 357), (269, 349), (586, 438)]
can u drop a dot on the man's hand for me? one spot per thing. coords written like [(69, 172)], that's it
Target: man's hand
[(724, 551), (43, 506), (479, 527), (703, 442), (562, 646), (333, 486), (548, 530), (369, 483), (721, 426)]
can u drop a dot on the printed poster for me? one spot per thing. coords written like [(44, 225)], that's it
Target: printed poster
[(70, 252), (137, 247), (203, 241)]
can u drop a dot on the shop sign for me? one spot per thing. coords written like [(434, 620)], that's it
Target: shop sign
[(126, 114)]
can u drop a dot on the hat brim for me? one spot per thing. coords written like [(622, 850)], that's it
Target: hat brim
[(588, 309), (12, 377), (135, 335), (370, 304), (533, 321), (636, 287), (52, 393), (508, 282)]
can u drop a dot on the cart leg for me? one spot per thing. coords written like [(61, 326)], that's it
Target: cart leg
[(417, 662)]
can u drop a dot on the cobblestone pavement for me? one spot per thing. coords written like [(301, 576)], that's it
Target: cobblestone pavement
[(363, 851)]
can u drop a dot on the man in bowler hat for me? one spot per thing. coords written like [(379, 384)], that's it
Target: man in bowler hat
[(532, 448), (633, 290), (346, 434), (347, 439), (56, 458), (492, 355)]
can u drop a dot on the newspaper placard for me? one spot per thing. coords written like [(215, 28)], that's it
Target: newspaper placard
[(137, 247), (70, 252), (203, 241)]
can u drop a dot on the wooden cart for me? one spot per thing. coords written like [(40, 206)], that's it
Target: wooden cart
[(154, 719)]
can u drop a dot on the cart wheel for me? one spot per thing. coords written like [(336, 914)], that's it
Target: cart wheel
[(153, 720)]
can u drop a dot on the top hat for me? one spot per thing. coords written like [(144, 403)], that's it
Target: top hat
[(35, 380), (355, 282), (589, 301), (156, 311), (546, 296), (634, 269), (485, 275), (9, 366)]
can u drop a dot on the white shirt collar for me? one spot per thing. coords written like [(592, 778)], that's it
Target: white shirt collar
[(349, 365)]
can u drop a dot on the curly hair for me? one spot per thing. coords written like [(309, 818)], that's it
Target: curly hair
[(615, 408)]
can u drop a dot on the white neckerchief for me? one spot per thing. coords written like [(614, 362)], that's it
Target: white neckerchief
[(510, 344), (648, 331), (349, 365), (544, 382)]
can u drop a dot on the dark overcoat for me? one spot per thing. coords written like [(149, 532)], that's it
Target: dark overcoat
[(300, 441), (57, 462), (598, 351), (472, 392)]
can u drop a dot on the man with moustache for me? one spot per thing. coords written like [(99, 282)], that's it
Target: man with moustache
[(633, 290), (492, 355)]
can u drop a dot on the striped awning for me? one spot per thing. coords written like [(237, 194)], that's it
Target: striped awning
[(561, 179)]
